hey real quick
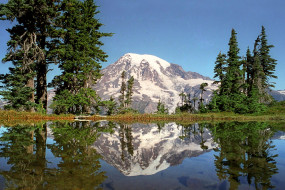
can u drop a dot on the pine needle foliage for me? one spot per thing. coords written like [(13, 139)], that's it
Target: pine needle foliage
[(80, 54), (244, 83)]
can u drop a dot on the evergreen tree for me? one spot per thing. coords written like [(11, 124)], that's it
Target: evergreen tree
[(110, 106), (248, 64), (202, 108), (79, 56), (220, 67), (161, 108), (16, 90), (234, 73), (231, 92), (123, 90), (129, 94), (202, 88), (29, 38), (268, 65)]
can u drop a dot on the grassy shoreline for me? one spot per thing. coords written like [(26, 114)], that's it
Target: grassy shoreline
[(143, 118), (186, 117), (15, 115)]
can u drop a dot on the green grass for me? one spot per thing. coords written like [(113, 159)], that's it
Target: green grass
[(31, 117), (275, 112)]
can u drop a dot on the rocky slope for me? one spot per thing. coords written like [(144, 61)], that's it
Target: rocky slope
[(155, 79), (278, 95)]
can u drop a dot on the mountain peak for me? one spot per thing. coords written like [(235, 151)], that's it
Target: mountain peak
[(155, 79), (154, 61)]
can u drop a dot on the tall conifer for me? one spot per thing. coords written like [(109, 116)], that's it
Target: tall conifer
[(79, 51), (123, 90), (129, 94), (220, 67), (268, 65), (29, 37)]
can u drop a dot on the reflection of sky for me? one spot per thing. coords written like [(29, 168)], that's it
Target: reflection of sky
[(52, 161), (3, 161), (2, 130), (278, 179)]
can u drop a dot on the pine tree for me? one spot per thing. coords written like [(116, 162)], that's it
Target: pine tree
[(29, 38), (110, 106), (129, 94), (202, 88), (268, 64), (220, 67), (234, 73), (248, 63), (79, 56), (201, 105), (161, 108), (16, 91), (123, 90)]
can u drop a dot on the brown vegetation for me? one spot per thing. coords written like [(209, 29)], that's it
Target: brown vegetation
[(186, 117)]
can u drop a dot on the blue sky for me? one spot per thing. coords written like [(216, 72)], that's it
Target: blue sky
[(187, 32)]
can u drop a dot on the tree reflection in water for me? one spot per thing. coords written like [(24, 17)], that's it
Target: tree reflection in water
[(245, 149), (25, 149), (196, 130), (126, 139)]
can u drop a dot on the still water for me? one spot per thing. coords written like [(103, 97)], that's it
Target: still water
[(107, 155)]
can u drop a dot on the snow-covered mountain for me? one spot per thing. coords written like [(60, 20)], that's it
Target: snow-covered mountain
[(155, 79), (281, 92), (145, 150), (50, 95), (278, 95)]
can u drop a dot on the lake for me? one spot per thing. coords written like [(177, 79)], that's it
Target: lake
[(108, 155)]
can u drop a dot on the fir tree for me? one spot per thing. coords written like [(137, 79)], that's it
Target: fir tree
[(220, 67), (161, 108), (129, 94), (79, 56), (16, 91), (268, 64), (202, 88), (245, 90), (123, 90), (201, 105), (110, 106), (234, 73), (248, 64), (29, 38)]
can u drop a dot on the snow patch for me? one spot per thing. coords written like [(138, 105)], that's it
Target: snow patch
[(281, 91), (154, 61)]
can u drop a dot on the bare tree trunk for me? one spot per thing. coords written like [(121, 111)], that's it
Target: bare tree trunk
[(42, 84), (42, 72), (31, 84)]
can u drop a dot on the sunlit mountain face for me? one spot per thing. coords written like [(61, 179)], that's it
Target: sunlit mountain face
[(155, 79)]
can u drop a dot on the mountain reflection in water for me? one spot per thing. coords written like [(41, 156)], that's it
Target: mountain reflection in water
[(106, 155)]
